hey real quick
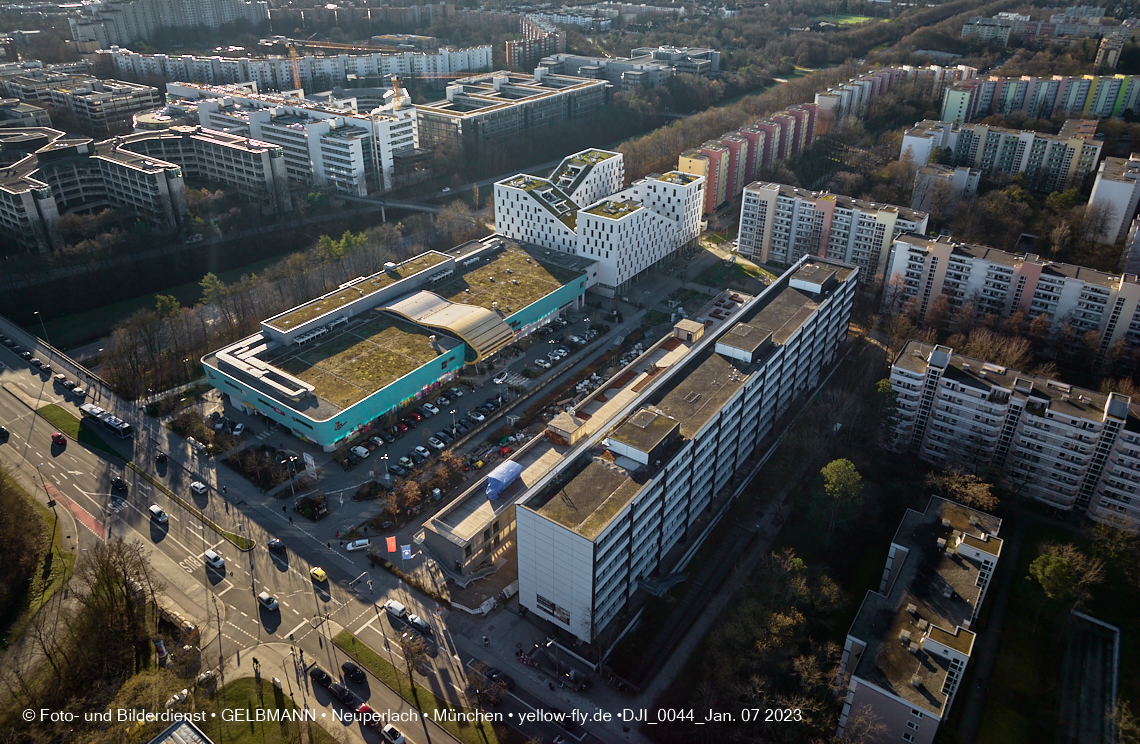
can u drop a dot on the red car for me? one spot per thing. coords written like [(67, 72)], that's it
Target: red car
[(416, 416), (402, 427), (368, 717), (59, 439)]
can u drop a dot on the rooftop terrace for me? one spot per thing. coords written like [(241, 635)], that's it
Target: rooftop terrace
[(613, 209)]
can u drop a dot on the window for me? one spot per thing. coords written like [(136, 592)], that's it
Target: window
[(912, 725), (467, 551), (908, 737), (916, 713)]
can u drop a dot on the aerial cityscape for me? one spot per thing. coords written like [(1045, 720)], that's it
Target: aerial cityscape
[(375, 372)]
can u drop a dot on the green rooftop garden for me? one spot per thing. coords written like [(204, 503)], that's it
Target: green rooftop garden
[(614, 210), (514, 278), (352, 365), (327, 304), (677, 177)]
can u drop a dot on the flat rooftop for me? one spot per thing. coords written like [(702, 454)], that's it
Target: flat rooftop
[(513, 277), (327, 303), (931, 595), (614, 209), (348, 365), (590, 499), (645, 429), (703, 392)]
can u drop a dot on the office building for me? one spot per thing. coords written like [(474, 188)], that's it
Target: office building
[(1114, 198), (495, 110), (1000, 283), (105, 105), (121, 21), (16, 113), (52, 176), (911, 641), (583, 210), (275, 72), (780, 224), (987, 30), (392, 337), (539, 38), (596, 504), (1067, 447), (326, 143), (1052, 162), (646, 67), (942, 187)]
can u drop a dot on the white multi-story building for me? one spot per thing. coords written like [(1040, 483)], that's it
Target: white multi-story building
[(1065, 446), (639, 469), (328, 143), (121, 21), (142, 172), (1001, 283), (943, 186), (911, 641), (1052, 162), (781, 223), (104, 104), (1114, 198), (583, 210), (316, 73)]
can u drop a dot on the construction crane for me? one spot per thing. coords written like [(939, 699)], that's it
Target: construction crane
[(294, 65)]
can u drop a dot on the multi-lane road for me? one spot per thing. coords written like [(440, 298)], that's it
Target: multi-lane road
[(310, 613)]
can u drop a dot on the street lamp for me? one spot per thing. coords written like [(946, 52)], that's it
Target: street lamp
[(453, 424), (387, 475), (186, 362), (44, 329)]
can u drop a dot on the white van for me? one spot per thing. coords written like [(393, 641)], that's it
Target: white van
[(395, 609), (360, 452), (357, 545)]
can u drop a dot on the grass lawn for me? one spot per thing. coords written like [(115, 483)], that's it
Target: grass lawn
[(737, 276), (87, 326), (54, 566), (248, 695), (77, 429), (422, 698), (846, 20)]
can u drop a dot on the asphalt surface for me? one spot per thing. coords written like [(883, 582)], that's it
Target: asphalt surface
[(310, 613)]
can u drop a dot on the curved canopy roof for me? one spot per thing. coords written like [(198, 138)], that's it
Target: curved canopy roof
[(482, 329)]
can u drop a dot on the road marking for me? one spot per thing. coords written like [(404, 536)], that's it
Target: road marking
[(363, 627), (244, 615), (218, 594), (300, 625)]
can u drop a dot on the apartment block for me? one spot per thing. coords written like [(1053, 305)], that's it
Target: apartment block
[(986, 30), (275, 72), (1108, 53), (120, 21), (710, 162), (1000, 283), (324, 142), (539, 39), (625, 231), (1042, 97), (53, 175), (646, 67), (632, 471), (780, 224), (911, 641), (584, 20), (1051, 162), (1067, 447), (496, 109), (943, 187), (1114, 198)]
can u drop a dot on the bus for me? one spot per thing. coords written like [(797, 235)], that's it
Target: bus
[(111, 422)]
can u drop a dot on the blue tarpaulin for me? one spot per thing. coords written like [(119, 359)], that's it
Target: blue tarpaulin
[(501, 478)]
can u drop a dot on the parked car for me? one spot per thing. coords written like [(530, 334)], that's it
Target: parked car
[(397, 470), (406, 462), (418, 458), (378, 441), (402, 427), (442, 400), (78, 392), (239, 430), (436, 442), (477, 416), (26, 354), (500, 378), (392, 735), (199, 487), (368, 717), (45, 369), (360, 452), (493, 403), (349, 462), (416, 416), (419, 624), (444, 436), (353, 672), (320, 677), (356, 545), (455, 392), (424, 451), (430, 408), (540, 362)]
